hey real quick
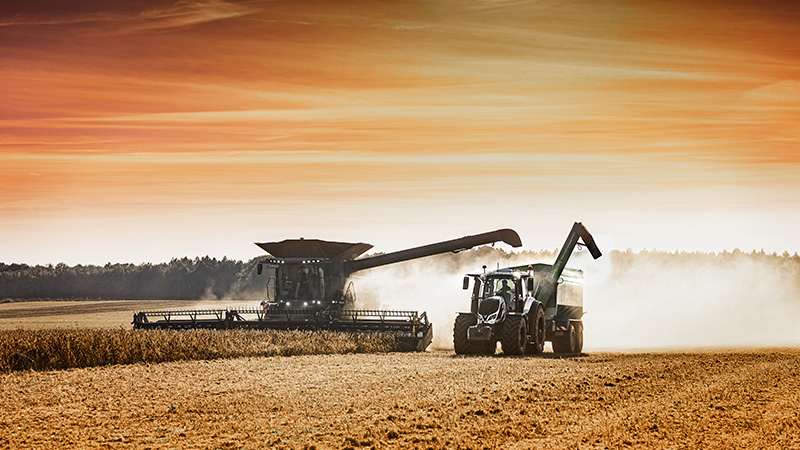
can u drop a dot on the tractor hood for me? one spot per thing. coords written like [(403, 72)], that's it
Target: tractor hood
[(314, 248)]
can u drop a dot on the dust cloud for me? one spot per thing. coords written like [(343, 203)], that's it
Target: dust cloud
[(687, 300), (434, 285), (633, 300)]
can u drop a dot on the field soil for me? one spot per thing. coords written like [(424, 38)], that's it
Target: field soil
[(710, 399)]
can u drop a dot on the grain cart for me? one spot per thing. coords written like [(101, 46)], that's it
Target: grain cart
[(524, 306), (309, 288)]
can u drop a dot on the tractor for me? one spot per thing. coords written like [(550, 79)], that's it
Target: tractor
[(523, 306)]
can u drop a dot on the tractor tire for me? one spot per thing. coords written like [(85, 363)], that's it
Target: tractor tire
[(538, 333), (515, 336), (572, 342), (460, 343)]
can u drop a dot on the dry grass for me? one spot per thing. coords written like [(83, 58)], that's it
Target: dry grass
[(709, 400), (70, 348)]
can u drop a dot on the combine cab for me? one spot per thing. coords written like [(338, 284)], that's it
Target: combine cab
[(308, 288)]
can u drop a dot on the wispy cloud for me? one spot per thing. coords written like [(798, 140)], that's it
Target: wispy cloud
[(785, 92), (187, 13), (179, 15)]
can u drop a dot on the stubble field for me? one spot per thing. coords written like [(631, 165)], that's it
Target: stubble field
[(744, 398), (89, 314), (721, 399)]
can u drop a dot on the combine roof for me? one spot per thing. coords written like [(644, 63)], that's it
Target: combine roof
[(314, 248)]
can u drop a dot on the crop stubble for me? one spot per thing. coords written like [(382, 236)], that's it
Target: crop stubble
[(722, 399)]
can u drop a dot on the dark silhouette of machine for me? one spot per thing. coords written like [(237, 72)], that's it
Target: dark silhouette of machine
[(309, 288), (522, 307)]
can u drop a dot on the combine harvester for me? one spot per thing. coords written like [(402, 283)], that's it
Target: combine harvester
[(309, 289), (522, 307)]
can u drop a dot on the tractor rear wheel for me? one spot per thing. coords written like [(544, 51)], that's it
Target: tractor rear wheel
[(538, 333), (460, 343), (515, 336)]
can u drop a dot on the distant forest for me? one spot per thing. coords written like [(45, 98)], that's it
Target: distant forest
[(179, 279), (211, 278)]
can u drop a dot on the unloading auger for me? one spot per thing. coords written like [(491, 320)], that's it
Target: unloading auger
[(308, 288)]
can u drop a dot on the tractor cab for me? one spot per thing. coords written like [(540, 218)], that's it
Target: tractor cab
[(503, 287), (510, 285), (497, 293)]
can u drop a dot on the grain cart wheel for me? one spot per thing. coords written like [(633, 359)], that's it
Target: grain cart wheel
[(571, 343), (515, 336), (536, 346), (578, 342), (460, 342)]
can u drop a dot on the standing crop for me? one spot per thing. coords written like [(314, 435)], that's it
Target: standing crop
[(68, 348)]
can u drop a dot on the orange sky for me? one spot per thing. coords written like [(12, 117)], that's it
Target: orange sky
[(144, 130)]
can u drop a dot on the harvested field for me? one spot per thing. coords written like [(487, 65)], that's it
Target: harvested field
[(90, 313), (720, 399)]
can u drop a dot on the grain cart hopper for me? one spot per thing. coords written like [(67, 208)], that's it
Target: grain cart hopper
[(308, 288), (524, 306)]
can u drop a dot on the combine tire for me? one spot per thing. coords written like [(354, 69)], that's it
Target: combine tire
[(536, 346), (460, 342), (515, 336), (572, 342)]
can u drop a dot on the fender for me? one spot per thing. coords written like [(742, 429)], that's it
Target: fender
[(530, 303), (560, 326)]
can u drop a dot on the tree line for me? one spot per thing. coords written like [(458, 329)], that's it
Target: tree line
[(179, 279)]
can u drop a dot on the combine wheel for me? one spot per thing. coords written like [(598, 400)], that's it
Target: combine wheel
[(460, 342), (515, 336), (536, 346)]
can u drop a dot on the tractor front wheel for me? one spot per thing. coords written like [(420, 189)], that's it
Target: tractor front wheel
[(460, 343), (515, 336)]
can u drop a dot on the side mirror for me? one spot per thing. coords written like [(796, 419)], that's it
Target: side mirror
[(260, 268), (466, 283), (530, 284)]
